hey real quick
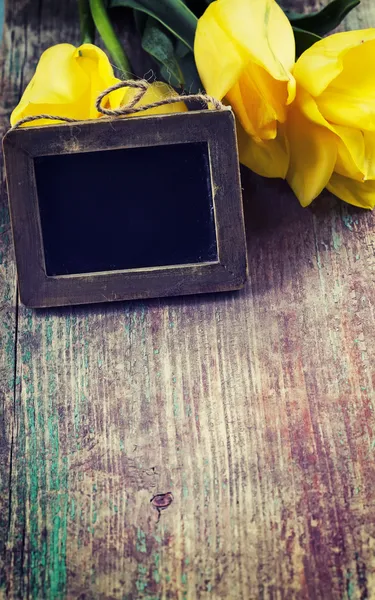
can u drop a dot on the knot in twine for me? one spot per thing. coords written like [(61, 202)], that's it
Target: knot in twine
[(142, 86)]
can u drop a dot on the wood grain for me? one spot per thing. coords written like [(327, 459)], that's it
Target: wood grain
[(252, 413), (8, 324)]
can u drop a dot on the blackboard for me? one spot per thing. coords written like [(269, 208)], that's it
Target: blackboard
[(121, 209), (126, 209)]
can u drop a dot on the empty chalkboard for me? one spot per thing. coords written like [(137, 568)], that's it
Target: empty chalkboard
[(118, 209), (126, 209)]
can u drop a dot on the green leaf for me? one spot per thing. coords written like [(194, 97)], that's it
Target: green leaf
[(192, 84), (87, 26), (157, 42), (181, 49), (323, 21), (304, 39), (173, 14)]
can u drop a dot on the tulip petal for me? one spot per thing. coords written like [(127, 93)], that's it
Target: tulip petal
[(318, 66), (309, 108), (157, 91), (351, 155), (219, 61), (313, 153), (269, 158), (259, 101), (67, 82), (94, 62), (348, 111), (353, 192), (369, 138), (58, 87), (262, 30), (356, 153), (58, 77), (231, 33)]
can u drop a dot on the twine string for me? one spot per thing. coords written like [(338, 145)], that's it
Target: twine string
[(131, 107), (31, 118)]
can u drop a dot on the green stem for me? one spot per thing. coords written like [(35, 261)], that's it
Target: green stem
[(109, 37), (87, 25)]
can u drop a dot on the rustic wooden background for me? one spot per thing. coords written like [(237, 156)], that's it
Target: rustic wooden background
[(254, 410)]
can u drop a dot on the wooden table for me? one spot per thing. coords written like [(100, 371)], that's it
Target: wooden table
[(254, 410)]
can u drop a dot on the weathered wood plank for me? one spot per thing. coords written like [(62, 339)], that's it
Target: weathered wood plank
[(363, 17), (10, 73), (8, 316), (255, 410), (360, 18), (30, 27)]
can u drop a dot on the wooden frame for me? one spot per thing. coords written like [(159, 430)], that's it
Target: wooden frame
[(217, 128)]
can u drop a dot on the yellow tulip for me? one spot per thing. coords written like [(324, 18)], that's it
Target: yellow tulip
[(155, 92), (68, 80), (331, 124), (245, 51)]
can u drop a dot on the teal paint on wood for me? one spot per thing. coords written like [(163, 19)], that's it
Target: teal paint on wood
[(58, 482), (255, 410), (8, 328), (45, 471)]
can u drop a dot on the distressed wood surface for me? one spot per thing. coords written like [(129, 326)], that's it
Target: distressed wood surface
[(210, 447)]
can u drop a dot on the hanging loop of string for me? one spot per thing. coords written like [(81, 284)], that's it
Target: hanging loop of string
[(131, 107)]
